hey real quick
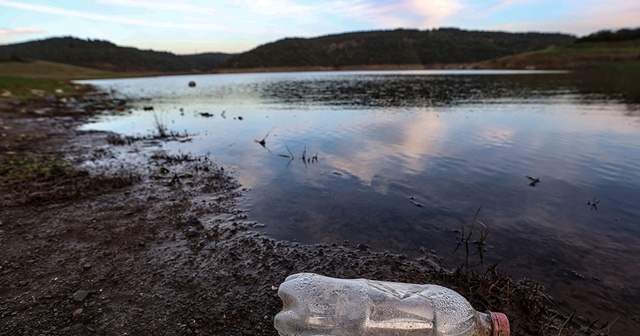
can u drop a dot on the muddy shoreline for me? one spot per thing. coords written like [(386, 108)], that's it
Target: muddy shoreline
[(124, 239)]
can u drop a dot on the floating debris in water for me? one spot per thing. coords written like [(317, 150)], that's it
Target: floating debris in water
[(263, 142), (185, 138), (413, 201), (534, 181)]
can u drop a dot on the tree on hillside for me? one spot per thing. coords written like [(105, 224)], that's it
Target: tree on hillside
[(610, 36), (446, 45)]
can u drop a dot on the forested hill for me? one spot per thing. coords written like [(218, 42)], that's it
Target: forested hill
[(374, 48), (105, 55), (397, 47)]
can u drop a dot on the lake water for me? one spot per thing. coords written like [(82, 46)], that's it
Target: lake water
[(401, 161)]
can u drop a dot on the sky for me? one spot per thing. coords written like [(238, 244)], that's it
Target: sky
[(196, 26)]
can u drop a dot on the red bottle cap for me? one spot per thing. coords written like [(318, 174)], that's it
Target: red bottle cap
[(500, 324)]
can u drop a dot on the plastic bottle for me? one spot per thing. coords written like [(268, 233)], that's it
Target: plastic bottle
[(318, 305)]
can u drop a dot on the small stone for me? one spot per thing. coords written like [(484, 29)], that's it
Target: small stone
[(80, 295), (78, 312), (192, 232), (362, 247)]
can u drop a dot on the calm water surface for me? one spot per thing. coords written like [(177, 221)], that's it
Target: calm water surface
[(405, 159)]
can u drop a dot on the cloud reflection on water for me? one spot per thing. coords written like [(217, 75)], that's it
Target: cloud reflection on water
[(455, 143)]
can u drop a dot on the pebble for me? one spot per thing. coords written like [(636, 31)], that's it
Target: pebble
[(192, 232), (80, 295), (362, 247), (78, 312)]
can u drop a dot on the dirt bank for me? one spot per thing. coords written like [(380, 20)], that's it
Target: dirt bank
[(102, 235)]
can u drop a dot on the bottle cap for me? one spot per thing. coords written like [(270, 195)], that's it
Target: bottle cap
[(500, 324)]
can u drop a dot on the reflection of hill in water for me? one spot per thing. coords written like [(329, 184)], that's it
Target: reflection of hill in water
[(409, 91), (614, 84), (383, 90)]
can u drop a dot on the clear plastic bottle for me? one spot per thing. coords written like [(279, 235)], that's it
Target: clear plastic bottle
[(318, 305)]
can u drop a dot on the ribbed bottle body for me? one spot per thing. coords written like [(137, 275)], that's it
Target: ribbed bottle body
[(318, 305)]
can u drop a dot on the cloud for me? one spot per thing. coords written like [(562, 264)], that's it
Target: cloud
[(435, 11), (592, 16), (156, 5), (16, 31), (281, 8), (19, 31), (107, 18), (613, 14), (402, 14)]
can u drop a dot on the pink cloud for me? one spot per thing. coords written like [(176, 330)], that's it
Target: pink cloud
[(19, 31)]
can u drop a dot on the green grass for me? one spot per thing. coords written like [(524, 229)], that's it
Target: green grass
[(21, 78), (588, 50), (27, 88), (23, 169), (42, 69), (27, 80), (623, 68), (620, 55)]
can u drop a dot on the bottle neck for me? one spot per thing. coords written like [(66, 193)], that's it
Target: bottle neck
[(484, 325), (492, 324)]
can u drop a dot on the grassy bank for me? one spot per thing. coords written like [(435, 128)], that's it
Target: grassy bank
[(28, 88), (620, 55), (42, 69), (28, 80)]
